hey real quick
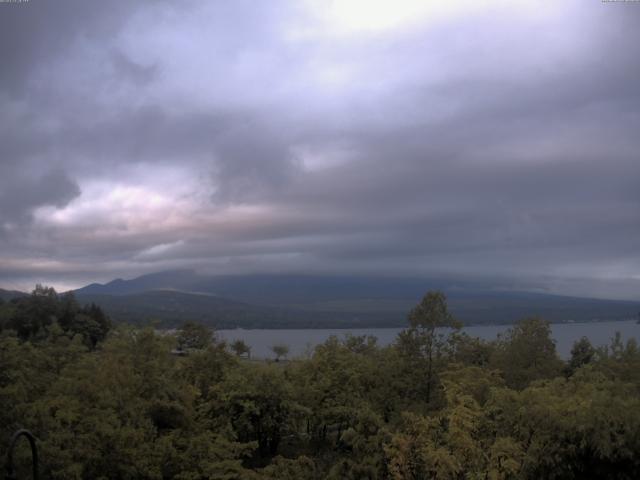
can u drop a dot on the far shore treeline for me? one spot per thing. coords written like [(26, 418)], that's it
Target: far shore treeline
[(118, 402)]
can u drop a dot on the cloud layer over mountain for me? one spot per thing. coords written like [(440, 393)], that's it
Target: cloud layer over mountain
[(494, 140)]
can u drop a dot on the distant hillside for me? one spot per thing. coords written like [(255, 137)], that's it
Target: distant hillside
[(279, 301), (9, 294), (168, 308), (269, 289)]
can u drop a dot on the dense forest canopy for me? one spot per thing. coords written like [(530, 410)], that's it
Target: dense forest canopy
[(118, 403)]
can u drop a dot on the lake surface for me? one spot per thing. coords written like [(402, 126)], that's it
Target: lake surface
[(302, 341)]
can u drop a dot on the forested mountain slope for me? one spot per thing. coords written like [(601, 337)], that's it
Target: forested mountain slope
[(276, 301)]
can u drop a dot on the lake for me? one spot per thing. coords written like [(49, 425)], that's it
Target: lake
[(302, 341)]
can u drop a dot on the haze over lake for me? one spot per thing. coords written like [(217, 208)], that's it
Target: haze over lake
[(302, 341)]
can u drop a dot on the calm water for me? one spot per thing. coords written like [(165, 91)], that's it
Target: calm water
[(302, 341)]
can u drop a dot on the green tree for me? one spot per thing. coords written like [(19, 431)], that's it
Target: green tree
[(471, 350), (582, 427), (362, 447), (362, 344), (206, 369), (282, 468), (330, 408), (620, 360), (33, 314), (280, 351), (7, 310), (582, 353), (257, 401), (240, 348), (422, 339), (89, 328), (32, 317), (129, 412), (67, 310), (459, 440), (194, 336), (527, 352)]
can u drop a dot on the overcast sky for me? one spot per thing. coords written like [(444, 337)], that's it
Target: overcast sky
[(470, 139)]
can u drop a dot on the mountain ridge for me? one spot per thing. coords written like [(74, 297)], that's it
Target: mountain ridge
[(7, 295), (307, 301)]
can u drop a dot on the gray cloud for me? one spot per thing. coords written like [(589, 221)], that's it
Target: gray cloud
[(34, 34), (238, 138), (251, 163), (19, 198), (127, 68)]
